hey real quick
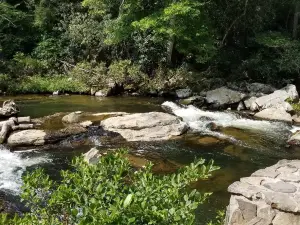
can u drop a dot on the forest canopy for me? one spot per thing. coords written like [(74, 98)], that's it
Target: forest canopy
[(231, 40)]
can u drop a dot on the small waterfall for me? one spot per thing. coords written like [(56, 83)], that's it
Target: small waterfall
[(13, 165), (200, 121)]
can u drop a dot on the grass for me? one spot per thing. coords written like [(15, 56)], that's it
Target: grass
[(47, 84)]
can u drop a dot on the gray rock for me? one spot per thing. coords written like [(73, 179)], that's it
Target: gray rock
[(274, 114), (241, 106), (268, 197), (183, 93), (56, 93), (249, 102), (283, 218), (260, 88), (271, 100), (296, 119), (73, 117), (92, 156), (281, 186), (152, 126), (27, 137), (86, 124), (40, 137), (103, 93), (292, 92), (224, 96), (294, 139), (9, 108)]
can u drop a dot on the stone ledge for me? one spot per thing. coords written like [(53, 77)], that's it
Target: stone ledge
[(268, 196)]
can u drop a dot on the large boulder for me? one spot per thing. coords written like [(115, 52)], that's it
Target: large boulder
[(268, 101), (223, 97), (151, 126), (276, 99), (27, 137), (268, 196), (276, 114), (9, 108), (292, 92), (37, 137), (260, 88)]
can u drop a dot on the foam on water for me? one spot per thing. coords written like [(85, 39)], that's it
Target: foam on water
[(199, 121), (12, 167)]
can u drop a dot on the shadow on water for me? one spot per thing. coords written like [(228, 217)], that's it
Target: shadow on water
[(238, 156)]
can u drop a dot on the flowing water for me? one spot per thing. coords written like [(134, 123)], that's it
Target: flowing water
[(238, 145)]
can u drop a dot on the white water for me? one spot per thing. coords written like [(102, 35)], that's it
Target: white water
[(12, 167), (199, 121)]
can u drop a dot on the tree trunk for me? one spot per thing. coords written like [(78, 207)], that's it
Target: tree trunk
[(296, 20), (171, 44), (170, 49)]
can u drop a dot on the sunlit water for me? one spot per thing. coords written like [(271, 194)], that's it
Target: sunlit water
[(243, 145)]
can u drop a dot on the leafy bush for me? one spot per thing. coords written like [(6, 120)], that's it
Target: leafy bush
[(26, 65), (167, 80), (48, 84), (90, 74), (111, 192), (124, 72), (6, 83)]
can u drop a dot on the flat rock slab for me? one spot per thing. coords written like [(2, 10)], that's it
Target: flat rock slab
[(151, 126), (36, 137), (276, 114), (268, 196)]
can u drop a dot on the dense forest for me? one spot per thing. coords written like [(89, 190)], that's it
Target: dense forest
[(146, 45)]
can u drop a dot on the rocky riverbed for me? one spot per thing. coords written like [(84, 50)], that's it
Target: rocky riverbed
[(239, 144)]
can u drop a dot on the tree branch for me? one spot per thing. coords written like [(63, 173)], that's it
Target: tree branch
[(234, 22)]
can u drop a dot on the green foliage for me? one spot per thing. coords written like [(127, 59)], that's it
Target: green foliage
[(111, 192), (220, 219), (124, 72), (28, 65), (49, 84), (167, 80), (90, 74)]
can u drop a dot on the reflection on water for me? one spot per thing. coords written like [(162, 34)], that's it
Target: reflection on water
[(239, 146)]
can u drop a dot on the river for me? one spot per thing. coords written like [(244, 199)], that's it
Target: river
[(243, 145)]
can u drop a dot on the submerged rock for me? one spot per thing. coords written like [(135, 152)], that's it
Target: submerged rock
[(223, 97), (151, 126), (274, 114), (268, 196)]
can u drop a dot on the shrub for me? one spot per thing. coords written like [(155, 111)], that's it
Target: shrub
[(111, 192), (48, 84), (124, 72), (90, 74), (167, 80), (26, 65)]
